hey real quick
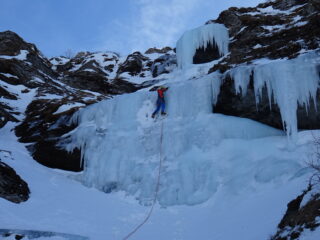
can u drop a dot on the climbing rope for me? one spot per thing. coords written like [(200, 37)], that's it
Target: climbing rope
[(156, 191)]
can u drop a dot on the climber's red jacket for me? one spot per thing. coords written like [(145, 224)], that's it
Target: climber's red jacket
[(161, 92)]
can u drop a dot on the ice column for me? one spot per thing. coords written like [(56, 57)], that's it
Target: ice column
[(200, 37)]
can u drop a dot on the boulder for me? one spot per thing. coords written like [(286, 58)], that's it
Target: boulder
[(12, 187)]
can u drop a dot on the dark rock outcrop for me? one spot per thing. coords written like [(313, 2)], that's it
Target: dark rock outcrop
[(208, 54), (133, 64), (235, 104), (92, 71), (256, 33), (299, 218), (12, 187), (38, 129), (25, 71), (231, 103), (157, 50)]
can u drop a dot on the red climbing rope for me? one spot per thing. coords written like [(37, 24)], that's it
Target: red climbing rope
[(156, 190)]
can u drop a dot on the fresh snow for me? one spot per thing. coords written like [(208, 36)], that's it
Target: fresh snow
[(61, 60), (215, 34), (102, 59), (67, 107), (24, 98), (22, 56), (8, 75)]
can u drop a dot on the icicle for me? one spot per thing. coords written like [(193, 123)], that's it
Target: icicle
[(241, 77), (290, 82), (200, 37)]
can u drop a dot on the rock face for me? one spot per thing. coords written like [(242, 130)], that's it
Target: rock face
[(299, 218), (133, 64), (208, 54), (157, 50), (272, 30), (277, 29), (12, 187), (94, 72), (163, 64)]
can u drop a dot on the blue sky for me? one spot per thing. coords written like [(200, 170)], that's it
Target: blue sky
[(122, 25)]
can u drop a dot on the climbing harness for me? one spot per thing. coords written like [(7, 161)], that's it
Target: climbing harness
[(156, 191)]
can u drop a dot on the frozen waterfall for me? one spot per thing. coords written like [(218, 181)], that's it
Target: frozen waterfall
[(120, 142), (203, 152)]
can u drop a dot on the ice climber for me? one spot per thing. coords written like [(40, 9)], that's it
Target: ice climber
[(160, 102)]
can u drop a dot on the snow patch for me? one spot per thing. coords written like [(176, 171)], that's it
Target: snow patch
[(8, 75), (67, 107), (21, 56)]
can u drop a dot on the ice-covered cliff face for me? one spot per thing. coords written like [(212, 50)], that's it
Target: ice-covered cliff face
[(202, 152)]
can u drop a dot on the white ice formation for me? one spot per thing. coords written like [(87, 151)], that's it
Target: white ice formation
[(121, 145), (289, 83), (203, 152), (214, 34)]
